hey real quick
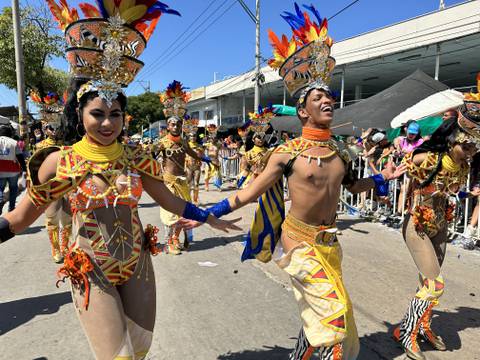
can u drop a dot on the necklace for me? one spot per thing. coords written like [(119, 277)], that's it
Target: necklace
[(98, 153), (316, 134)]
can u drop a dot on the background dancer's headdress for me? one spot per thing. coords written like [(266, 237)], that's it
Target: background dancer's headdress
[(190, 126), (304, 61), (50, 108), (469, 112), (260, 120), (174, 101), (105, 46)]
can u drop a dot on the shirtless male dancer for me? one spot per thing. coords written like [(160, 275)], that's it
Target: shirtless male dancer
[(173, 149), (316, 166)]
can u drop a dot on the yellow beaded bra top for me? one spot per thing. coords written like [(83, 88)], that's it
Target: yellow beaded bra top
[(448, 180)]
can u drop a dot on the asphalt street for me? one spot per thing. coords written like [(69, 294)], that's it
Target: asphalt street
[(234, 310)]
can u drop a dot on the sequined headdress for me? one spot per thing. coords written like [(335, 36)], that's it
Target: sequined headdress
[(260, 120), (174, 100), (105, 46), (469, 112), (190, 126), (50, 108), (304, 61)]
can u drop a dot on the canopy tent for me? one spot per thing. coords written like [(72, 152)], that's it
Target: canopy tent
[(376, 111), (432, 105), (427, 127)]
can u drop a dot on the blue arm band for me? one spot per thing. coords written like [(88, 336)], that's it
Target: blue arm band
[(220, 209), (206, 159), (381, 186), (462, 194), (241, 181), (193, 212)]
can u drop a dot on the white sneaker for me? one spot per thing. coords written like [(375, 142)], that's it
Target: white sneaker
[(470, 231)]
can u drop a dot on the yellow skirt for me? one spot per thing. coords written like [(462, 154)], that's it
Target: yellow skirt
[(178, 186), (315, 270)]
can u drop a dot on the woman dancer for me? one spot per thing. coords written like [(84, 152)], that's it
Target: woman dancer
[(109, 265), (437, 169)]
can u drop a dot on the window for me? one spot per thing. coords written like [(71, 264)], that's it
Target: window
[(208, 115), (195, 115)]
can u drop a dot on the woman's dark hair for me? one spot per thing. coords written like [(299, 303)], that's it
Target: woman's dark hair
[(6, 130), (439, 143), (72, 126)]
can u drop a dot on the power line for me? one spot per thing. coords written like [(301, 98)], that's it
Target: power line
[(196, 37), (165, 54), (342, 10)]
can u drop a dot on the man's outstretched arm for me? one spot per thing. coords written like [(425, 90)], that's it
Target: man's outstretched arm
[(269, 176)]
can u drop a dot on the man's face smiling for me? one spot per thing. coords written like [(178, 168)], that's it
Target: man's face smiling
[(318, 110)]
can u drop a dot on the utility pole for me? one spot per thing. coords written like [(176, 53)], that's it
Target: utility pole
[(257, 56), (22, 108), (145, 84), (256, 19)]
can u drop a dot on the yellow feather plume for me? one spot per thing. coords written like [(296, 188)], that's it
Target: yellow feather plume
[(125, 5), (109, 6), (134, 13)]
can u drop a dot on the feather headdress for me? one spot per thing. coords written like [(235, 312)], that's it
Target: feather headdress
[(190, 125), (303, 60), (50, 107), (260, 120), (469, 112), (106, 44), (174, 100)]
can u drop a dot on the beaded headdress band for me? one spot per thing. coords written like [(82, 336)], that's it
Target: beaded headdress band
[(50, 108), (174, 100), (304, 61), (105, 46), (260, 120)]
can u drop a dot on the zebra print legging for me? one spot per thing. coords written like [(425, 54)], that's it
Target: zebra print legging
[(304, 351)]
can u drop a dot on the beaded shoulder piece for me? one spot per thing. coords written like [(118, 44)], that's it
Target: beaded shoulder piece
[(143, 161), (298, 145), (53, 189), (422, 171)]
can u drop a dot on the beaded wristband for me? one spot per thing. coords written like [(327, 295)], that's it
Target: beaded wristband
[(220, 209), (381, 186), (193, 212), (5, 232)]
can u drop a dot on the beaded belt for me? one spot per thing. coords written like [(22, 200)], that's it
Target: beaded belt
[(314, 235)]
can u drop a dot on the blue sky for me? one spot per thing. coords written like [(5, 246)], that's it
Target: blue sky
[(227, 46)]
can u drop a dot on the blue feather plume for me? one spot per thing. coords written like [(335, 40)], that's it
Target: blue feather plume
[(102, 9), (315, 12), (164, 8)]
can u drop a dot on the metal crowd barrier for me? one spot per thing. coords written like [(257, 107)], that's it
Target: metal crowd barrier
[(229, 168), (366, 204)]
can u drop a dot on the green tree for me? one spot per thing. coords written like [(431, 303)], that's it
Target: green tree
[(40, 42), (145, 109)]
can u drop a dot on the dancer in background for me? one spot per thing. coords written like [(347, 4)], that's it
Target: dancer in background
[(173, 150), (437, 170), (58, 217)]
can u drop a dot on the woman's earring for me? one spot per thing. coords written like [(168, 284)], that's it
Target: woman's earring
[(80, 133)]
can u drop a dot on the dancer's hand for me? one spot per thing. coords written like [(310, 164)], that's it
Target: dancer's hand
[(393, 172), (214, 222)]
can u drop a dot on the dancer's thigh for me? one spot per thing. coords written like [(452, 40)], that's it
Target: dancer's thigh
[(103, 322), (139, 304), (422, 250)]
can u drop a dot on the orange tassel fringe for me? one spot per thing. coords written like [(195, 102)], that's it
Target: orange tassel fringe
[(75, 267), (151, 235)]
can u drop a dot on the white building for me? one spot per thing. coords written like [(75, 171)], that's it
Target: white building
[(444, 44)]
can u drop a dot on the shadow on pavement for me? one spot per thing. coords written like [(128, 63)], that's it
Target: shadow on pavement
[(32, 230), (210, 243), (18, 312), (344, 224), (268, 352), (445, 324), (148, 205)]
